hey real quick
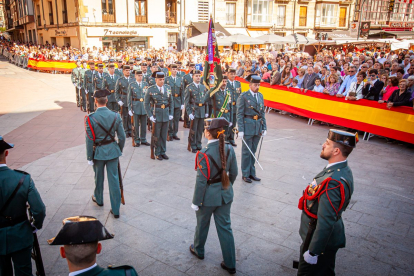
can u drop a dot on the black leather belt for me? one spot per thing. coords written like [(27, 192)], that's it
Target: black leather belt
[(13, 222), (162, 105), (255, 117), (102, 143), (122, 93), (214, 181)]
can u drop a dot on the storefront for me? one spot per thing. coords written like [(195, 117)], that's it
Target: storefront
[(60, 37)]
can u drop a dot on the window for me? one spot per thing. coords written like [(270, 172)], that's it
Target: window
[(50, 13), (281, 16), (108, 11), (140, 11), (64, 11), (39, 19), (230, 14), (342, 17), (326, 15), (303, 12), (378, 12), (171, 11), (259, 12), (172, 38), (203, 11)]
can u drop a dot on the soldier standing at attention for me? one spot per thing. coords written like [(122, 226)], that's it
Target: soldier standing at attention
[(118, 70), (99, 77), (151, 79), (235, 88), (145, 74), (105, 70), (89, 85), (252, 125), (83, 93), (136, 108), (75, 77), (196, 108), (323, 201), (80, 239), (180, 73), (103, 150), (159, 97), (16, 233), (175, 82), (109, 82), (213, 193), (187, 80), (121, 92), (162, 68)]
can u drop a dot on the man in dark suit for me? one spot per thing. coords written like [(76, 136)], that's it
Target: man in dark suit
[(373, 86), (309, 79)]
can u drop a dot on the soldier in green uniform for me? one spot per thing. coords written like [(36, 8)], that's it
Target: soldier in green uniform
[(145, 73), (75, 77), (89, 85), (103, 150), (162, 67), (158, 97), (121, 92), (213, 193), (151, 79), (323, 201), (108, 83), (252, 125), (235, 88), (187, 80), (105, 69), (180, 68), (195, 94), (99, 77), (16, 233), (175, 82), (83, 93), (136, 108), (118, 70), (80, 239)]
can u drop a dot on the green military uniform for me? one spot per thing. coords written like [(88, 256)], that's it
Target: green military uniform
[(106, 153), (109, 83), (121, 92), (235, 89), (89, 86), (224, 107), (99, 77), (177, 93), (211, 198), (162, 109), (187, 80), (151, 81), (76, 80), (195, 104), (83, 93), (165, 70), (145, 76), (110, 271), (251, 121), (136, 95), (16, 237), (118, 71)]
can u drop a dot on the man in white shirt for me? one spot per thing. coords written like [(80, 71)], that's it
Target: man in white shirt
[(382, 58), (343, 90)]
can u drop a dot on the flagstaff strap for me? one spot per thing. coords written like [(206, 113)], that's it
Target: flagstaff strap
[(224, 106)]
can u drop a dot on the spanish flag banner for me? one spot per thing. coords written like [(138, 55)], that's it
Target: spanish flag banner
[(51, 65), (363, 115)]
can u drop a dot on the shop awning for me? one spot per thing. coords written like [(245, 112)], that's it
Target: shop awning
[(201, 40), (394, 34), (342, 35), (234, 31), (257, 33), (203, 28)]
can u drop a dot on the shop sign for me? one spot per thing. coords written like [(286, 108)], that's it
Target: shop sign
[(401, 24), (64, 32), (112, 32)]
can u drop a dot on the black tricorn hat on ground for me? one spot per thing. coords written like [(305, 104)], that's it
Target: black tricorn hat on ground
[(213, 123), (343, 137), (80, 230)]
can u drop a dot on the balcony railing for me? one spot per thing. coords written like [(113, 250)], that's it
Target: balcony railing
[(171, 17), (108, 16), (140, 19)]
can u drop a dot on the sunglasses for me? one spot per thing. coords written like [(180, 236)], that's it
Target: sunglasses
[(372, 75), (351, 71)]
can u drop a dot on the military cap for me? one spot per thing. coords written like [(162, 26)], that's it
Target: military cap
[(126, 67), (160, 60), (119, 60), (100, 65), (179, 62), (80, 230), (225, 78), (4, 145), (105, 61), (144, 64), (91, 63), (101, 93), (148, 59), (253, 78), (231, 70), (111, 60), (191, 64), (343, 137), (173, 66), (138, 59), (111, 65), (154, 64), (213, 123), (131, 61), (195, 71), (138, 72), (158, 75)]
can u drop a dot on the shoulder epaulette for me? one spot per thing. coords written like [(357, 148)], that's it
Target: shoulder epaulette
[(120, 267), (23, 172)]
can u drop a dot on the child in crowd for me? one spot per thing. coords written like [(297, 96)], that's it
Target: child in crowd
[(295, 83), (318, 86)]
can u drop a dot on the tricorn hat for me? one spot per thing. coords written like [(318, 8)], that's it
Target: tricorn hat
[(126, 67), (213, 123), (158, 75), (111, 65), (101, 93), (100, 65), (138, 72), (343, 137), (173, 66), (253, 78), (231, 70), (195, 71), (80, 230), (4, 145)]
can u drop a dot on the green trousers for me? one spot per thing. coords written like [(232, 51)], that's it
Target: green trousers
[(161, 132), (140, 124), (82, 98), (22, 263), (173, 127), (248, 162), (198, 128), (126, 120), (77, 91), (234, 122), (324, 267), (113, 182), (91, 102), (114, 106), (224, 231)]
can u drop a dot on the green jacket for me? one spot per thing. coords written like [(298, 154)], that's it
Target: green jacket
[(145, 76), (104, 152), (151, 80), (119, 72), (89, 81), (214, 195), (177, 90), (330, 232), (235, 90), (110, 271), (188, 79), (180, 73), (76, 76), (246, 104), (109, 84), (136, 95), (153, 97), (165, 70), (19, 236), (194, 96), (219, 98), (98, 80), (121, 89)]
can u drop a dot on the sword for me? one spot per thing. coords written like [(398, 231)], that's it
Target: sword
[(251, 153), (260, 148)]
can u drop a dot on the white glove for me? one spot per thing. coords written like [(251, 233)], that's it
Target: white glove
[(310, 259), (195, 207), (241, 135), (74, 84), (191, 116), (90, 162), (34, 228), (152, 119), (130, 113), (264, 132), (120, 103), (171, 117), (182, 107), (230, 124), (86, 91), (206, 115)]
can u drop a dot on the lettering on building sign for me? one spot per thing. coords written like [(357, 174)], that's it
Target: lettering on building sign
[(61, 33), (402, 24), (109, 32)]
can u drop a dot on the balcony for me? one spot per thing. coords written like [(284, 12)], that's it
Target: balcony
[(108, 16), (171, 17)]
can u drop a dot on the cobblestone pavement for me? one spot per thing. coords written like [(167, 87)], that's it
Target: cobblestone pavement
[(156, 227)]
